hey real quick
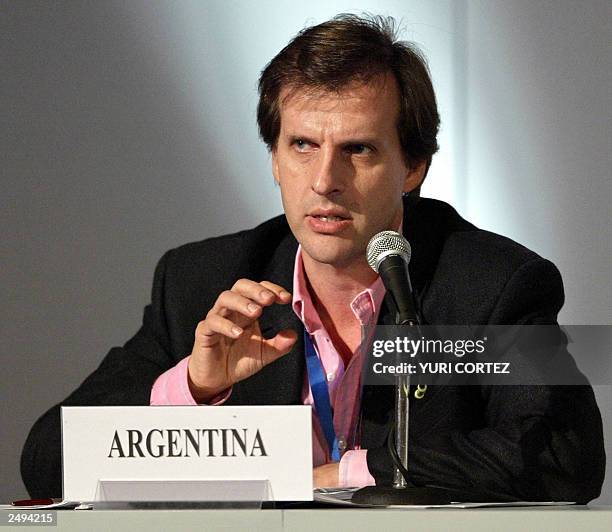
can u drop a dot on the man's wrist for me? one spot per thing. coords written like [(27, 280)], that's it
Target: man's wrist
[(203, 394)]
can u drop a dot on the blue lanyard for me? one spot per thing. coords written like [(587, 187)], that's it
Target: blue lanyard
[(320, 394)]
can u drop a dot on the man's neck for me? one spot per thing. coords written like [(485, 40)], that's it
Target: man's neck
[(332, 290), (334, 286)]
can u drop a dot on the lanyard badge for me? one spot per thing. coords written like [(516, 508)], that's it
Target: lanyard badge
[(320, 394)]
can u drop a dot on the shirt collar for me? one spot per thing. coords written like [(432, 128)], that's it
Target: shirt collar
[(365, 305)]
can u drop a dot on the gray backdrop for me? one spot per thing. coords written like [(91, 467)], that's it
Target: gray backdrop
[(129, 128)]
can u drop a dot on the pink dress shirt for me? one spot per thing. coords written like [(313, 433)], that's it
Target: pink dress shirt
[(344, 383)]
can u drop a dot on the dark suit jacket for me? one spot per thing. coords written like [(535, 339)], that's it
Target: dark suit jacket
[(525, 442)]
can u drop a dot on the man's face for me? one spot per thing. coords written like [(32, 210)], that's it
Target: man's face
[(341, 169)]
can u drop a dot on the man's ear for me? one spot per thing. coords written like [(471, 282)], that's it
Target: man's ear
[(275, 172), (415, 176)]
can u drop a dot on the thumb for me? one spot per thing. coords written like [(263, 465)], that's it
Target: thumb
[(278, 346)]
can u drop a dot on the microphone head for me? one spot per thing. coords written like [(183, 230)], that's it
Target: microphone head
[(387, 243)]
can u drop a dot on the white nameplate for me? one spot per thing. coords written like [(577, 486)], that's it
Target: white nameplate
[(187, 443)]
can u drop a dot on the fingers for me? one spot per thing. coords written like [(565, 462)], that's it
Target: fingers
[(241, 308), (208, 332), (278, 346), (282, 295), (326, 476), (264, 293), (237, 308), (247, 298)]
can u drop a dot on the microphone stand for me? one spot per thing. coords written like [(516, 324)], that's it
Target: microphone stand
[(402, 425), (402, 491)]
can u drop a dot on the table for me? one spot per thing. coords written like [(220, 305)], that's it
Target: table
[(559, 519)]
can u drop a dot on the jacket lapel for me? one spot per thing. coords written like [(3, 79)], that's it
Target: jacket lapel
[(280, 382)]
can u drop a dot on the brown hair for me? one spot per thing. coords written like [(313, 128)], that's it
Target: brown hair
[(346, 48)]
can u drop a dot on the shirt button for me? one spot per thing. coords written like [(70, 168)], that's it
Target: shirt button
[(331, 376), (341, 443)]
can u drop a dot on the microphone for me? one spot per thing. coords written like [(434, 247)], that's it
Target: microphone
[(388, 254)]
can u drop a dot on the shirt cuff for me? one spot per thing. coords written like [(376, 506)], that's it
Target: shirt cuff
[(172, 388), (353, 471)]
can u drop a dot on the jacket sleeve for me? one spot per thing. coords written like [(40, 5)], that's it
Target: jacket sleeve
[(125, 377), (534, 442)]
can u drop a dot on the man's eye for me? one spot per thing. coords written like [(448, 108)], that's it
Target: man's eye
[(301, 145), (358, 149)]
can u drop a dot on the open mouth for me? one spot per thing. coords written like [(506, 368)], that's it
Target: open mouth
[(328, 224), (329, 218)]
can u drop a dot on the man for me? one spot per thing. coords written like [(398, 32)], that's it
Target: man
[(349, 115)]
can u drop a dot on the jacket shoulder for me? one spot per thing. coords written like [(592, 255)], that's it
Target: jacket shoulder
[(484, 277), (465, 239), (225, 250)]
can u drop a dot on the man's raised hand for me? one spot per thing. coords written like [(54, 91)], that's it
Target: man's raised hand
[(228, 345)]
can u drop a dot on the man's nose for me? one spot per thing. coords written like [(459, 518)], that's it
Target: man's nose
[(327, 178)]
